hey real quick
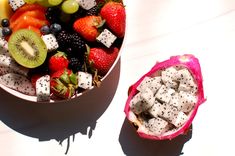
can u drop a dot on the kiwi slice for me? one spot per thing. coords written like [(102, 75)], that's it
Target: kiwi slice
[(27, 48)]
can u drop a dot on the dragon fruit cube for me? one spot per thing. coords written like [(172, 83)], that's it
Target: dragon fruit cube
[(164, 94), (50, 41), (180, 119), (43, 88), (3, 46), (87, 4), (106, 37), (157, 126), (84, 80), (15, 4)]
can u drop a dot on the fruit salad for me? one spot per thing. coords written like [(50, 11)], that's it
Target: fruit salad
[(56, 49)]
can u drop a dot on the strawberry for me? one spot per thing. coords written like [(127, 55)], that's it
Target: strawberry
[(63, 83), (102, 58), (34, 78), (115, 17), (88, 26), (58, 62)]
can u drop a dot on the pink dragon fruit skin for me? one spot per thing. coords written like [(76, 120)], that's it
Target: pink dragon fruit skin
[(192, 64)]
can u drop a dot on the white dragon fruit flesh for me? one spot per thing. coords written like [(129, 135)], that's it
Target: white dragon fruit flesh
[(84, 80), (87, 4), (8, 65), (15, 4), (3, 47), (50, 41), (17, 82), (43, 88), (169, 109), (106, 38)]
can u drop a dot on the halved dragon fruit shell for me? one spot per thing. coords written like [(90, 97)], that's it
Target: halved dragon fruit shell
[(177, 95)]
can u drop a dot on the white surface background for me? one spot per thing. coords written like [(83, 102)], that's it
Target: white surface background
[(156, 30)]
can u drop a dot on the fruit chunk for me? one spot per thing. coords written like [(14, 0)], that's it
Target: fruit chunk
[(58, 62), (3, 46), (115, 17), (63, 83), (27, 48), (5, 9), (87, 27), (173, 110), (17, 82), (106, 37), (50, 41), (8, 65), (16, 4), (102, 58), (43, 88), (87, 4), (84, 80)]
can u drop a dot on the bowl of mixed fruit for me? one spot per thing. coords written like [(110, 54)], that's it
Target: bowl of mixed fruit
[(55, 50)]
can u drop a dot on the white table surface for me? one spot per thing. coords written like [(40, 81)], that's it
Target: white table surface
[(156, 30)]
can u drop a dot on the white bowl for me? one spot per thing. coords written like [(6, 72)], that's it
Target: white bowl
[(34, 98)]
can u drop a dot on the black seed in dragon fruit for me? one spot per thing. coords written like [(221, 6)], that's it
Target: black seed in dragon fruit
[(17, 82), (177, 97)]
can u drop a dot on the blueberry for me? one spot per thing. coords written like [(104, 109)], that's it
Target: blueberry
[(45, 29), (5, 22), (6, 31), (55, 28)]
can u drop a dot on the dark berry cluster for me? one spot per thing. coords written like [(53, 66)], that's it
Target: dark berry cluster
[(75, 64), (71, 43)]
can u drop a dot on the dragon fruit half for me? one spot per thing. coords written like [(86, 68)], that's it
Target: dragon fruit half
[(163, 103)]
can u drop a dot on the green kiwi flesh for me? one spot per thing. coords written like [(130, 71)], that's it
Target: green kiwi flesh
[(27, 48)]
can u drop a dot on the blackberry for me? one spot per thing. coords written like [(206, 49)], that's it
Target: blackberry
[(53, 15), (75, 64), (93, 11), (78, 43), (64, 39)]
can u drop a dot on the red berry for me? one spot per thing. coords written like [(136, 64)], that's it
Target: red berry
[(63, 83), (58, 62), (87, 27), (115, 17), (103, 58)]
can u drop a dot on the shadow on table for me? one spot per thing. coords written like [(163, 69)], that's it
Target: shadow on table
[(133, 145), (59, 120)]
